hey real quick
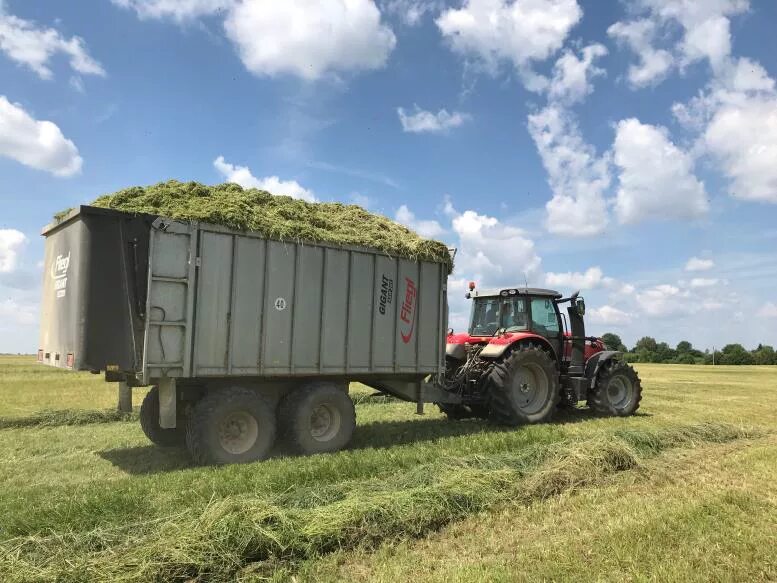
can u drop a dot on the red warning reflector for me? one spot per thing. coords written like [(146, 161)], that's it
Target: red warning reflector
[(69, 360)]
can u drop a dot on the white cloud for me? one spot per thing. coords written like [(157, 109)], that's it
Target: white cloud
[(654, 63), (411, 12), (491, 252), (662, 300), (362, 200), (656, 177), (704, 282), (705, 35), (178, 10), (17, 313), (11, 242), (426, 228), (34, 46), (309, 39), (38, 144), (697, 264), (768, 310), (743, 139), (578, 177), (592, 278), (518, 32), (609, 315), (420, 121), (242, 175), (572, 76)]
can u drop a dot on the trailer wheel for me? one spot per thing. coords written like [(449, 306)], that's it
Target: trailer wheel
[(523, 387), (317, 418), (618, 390), (149, 423), (233, 425)]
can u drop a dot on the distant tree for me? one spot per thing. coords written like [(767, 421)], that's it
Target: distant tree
[(664, 353), (646, 343), (764, 354), (613, 342), (736, 354), (684, 347), (684, 358)]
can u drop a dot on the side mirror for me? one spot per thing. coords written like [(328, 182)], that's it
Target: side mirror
[(580, 306)]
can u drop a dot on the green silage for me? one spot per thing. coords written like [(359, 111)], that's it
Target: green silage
[(277, 217)]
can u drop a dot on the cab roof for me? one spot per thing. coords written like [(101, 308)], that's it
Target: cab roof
[(521, 291)]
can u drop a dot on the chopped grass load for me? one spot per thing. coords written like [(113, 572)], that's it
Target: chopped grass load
[(282, 529), (277, 217)]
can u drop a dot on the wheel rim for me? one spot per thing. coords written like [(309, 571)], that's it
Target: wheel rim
[(531, 388), (619, 391), (325, 421), (238, 432)]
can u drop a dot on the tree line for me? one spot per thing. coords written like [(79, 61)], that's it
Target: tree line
[(647, 349)]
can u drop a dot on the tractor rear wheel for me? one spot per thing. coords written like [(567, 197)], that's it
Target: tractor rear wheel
[(231, 425), (523, 387), (617, 391), (149, 423), (317, 418)]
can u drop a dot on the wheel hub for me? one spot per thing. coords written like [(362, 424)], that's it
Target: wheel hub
[(238, 432), (531, 388), (325, 422), (619, 391)]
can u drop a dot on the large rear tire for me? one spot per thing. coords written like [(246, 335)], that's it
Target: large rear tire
[(317, 418), (523, 387), (149, 423), (618, 390), (227, 426)]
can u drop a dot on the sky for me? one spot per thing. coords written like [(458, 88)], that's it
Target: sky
[(627, 149)]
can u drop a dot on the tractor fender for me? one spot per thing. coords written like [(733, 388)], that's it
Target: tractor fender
[(499, 345), (594, 363)]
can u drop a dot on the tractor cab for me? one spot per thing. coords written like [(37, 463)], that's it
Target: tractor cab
[(504, 316)]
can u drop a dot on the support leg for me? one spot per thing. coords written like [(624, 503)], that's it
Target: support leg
[(125, 397), (167, 412)]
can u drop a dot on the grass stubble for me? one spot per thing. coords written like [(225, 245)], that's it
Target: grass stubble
[(73, 513)]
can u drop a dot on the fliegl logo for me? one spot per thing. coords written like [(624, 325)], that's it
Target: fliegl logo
[(59, 269), (407, 311)]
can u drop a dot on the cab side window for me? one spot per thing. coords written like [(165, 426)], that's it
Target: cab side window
[(543, 317)]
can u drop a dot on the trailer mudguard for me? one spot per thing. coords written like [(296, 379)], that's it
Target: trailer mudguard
[(594, 363)]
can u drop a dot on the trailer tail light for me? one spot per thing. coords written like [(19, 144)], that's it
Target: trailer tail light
[(69, 360), (40, 355)]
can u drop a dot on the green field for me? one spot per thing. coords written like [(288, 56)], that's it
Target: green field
[(685, 490)]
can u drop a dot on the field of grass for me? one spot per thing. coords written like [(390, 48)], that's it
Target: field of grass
[(685, 490)]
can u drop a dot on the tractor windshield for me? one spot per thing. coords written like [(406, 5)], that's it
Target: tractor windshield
[(492, 314)]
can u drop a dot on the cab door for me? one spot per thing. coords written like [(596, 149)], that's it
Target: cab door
[(545, 322)]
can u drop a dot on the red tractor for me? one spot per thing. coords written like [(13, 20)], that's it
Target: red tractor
[(520, 360)]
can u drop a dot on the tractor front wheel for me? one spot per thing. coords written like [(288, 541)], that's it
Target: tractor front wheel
[(523, 387), (617, 391)]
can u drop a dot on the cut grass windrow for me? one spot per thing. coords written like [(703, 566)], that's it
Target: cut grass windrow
[(281, 529), (58, 418)]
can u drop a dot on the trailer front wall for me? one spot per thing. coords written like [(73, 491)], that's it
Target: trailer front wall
[(268, 308)]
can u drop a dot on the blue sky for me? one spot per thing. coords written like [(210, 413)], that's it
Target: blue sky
[(629, 149)]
